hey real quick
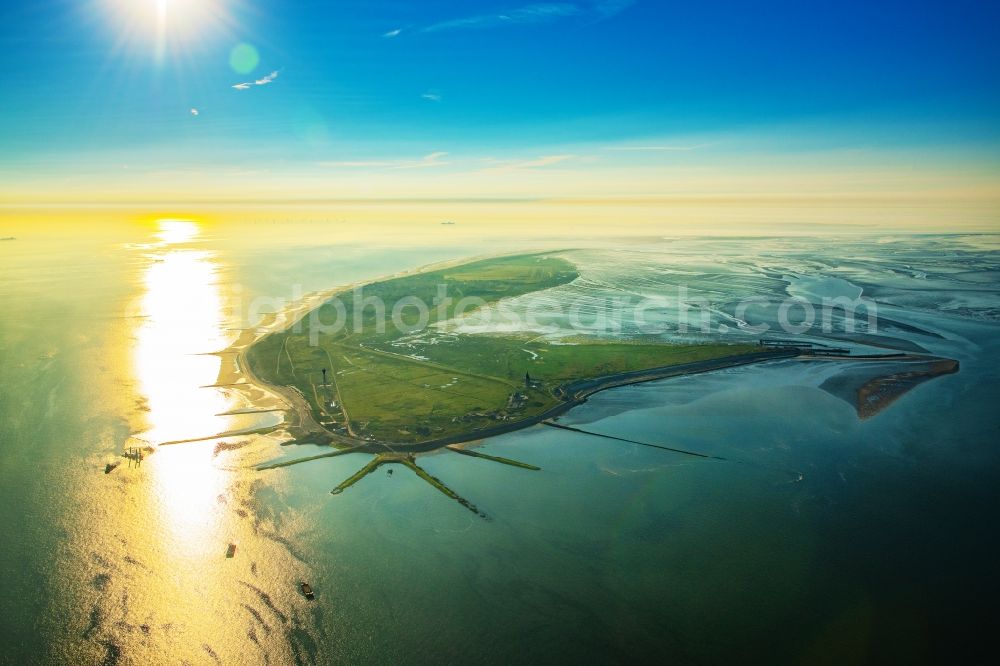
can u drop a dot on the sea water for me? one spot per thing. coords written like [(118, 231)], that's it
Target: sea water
[(820, 535)]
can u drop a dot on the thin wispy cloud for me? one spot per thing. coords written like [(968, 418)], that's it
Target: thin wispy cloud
[(426, 162), (542, 13), (393, 33), (498, 166), (431, 97), (660, 148), (263, 81), (267, 79), (535, 13)]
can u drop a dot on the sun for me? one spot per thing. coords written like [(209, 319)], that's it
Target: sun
[(164, 8), (166, 26)]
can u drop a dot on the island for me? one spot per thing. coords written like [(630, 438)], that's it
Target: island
[(383, 368), (421, 385), (414, 385)]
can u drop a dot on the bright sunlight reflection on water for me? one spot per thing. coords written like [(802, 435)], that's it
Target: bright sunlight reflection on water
[(176, 231), (182, 309)]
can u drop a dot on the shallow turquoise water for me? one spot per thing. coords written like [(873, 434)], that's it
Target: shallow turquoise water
[(821, 535)]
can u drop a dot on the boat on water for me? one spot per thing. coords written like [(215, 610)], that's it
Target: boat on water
[(231, 550), (307, 591)]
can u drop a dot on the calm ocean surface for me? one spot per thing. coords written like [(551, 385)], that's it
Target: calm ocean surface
[(823, 537)]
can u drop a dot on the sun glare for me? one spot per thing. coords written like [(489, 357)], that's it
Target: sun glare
[(177, 231), (166, 24)]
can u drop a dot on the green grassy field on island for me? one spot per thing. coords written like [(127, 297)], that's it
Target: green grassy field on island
[(379, 388)]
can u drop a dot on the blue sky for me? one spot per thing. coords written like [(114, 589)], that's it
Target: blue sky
[(532, 95)]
